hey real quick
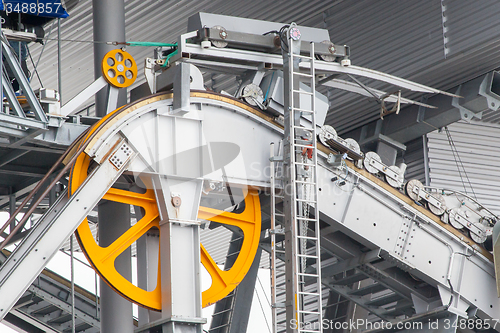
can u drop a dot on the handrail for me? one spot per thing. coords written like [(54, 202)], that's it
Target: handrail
[(22, 222)]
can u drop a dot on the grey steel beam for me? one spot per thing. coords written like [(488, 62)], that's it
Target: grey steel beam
[(224, 309), (336, 310), (479, 94), (83, 96), (396, 280), (63, 305), (24, 189), (23, 82), (339, 244), (59, 136), (345, 291), (21, 121), (11, 96), (250, 26), (346, 265), (50, 291), (12, 132), (47, 150), (23, 171), (29, 322), (233, 60), (368, 92), (232, 317), (147, 268), (30, 134), (11, 156)]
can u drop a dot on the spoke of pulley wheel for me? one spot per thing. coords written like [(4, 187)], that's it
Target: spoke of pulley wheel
[(211, 267), (148, 221), (128, 238), (238, 220), (132, 198)]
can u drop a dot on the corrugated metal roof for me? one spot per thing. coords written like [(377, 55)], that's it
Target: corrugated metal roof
[(406, 39)]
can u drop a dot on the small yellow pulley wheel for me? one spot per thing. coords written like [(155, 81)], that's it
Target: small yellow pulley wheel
[(119, 68)]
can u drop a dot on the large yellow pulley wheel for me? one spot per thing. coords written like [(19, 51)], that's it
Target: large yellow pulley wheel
[(102, 258)]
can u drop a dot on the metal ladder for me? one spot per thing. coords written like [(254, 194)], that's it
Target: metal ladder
[(302, 258), (277, 241)]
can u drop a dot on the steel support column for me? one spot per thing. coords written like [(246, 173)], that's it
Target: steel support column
[(180, 254), (114, 218), (116, 312), (147, 268), (109, 25), (243, 298)]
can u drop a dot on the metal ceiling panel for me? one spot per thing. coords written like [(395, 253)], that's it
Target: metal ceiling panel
[(398, 37), (470, 24)]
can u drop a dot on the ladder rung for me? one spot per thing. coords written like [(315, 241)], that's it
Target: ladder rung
[(305, 219), (302, 74), (216, 328), (302, 57), (308, 294), (303, 146), (308, 274), (309, 312), (280, 270), (306, 256), (302, 127), (307, 237), (306, 201), (220, 312), (303, 110), (302, 163), (279, 214), (302, 92), (279, 305)]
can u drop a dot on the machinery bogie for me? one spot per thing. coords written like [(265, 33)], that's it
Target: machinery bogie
[(453, 207)]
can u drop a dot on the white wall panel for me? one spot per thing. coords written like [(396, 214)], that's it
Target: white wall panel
[(478, 146)]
